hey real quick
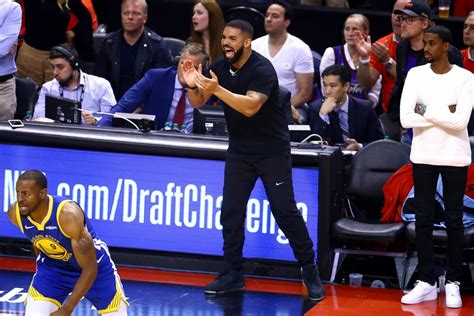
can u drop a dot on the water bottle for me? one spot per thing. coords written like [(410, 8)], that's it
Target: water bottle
[(183, 129), (378, 284), (167, 126), (175, 127), (29, 116)]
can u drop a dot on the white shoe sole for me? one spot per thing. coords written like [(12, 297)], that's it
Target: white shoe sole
[(431, 297), (454, 305)]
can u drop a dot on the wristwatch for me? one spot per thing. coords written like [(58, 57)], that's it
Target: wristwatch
[(421, 109), (389, 63)]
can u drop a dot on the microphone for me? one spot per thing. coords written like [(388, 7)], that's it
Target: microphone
[(117, 115)]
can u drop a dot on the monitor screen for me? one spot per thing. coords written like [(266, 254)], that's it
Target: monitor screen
[(210, 120), (62, 110)]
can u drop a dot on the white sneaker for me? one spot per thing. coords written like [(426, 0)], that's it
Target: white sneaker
[(453, 298), (422, 291)]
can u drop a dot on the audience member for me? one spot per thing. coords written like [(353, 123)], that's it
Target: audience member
[(379, 59), (416, 18), (163, 93), (10, 15), (45, 27), (247, 86), (207, 25), (468, 37), (339, 118), (436, 102), (90, 7), (329, 3), (128, 53), (94, 93), (348, 56), (290, 56)]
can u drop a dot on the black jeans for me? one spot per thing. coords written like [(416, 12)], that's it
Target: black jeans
[(239, 181), (454, 179)]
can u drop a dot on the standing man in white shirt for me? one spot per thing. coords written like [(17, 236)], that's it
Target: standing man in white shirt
[(437, 101), (94, 93), (290, 56)]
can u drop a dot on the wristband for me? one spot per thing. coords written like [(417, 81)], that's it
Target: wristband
[(364, 61)]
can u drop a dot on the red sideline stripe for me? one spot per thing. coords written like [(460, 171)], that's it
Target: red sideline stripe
[(171, 277)]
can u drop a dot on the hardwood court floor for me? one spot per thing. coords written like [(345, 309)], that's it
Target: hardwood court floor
[(158, 292)]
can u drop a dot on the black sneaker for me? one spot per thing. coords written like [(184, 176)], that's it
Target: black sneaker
[(311, 280), (226, 282)]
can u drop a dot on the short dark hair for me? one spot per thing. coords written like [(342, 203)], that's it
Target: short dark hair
[(338, 70), (67, 52), (35, 175), (288, 8), (443, 32), (242, 25)]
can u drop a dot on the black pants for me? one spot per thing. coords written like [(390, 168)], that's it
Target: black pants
[(239, 181), (454, 179)]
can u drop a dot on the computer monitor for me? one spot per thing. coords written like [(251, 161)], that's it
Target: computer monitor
[(210, 120), (144, 122), (62, 110), (299, 132)]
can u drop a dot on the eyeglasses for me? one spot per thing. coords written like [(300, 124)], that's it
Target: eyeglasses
[(468, 27), (134, 14), (408, 19)]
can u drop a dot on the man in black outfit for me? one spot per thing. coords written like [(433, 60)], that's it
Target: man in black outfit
[(246, 84)]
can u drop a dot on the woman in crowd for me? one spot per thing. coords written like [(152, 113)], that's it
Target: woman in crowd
[(347, 55), (207, 26), (46, 22)]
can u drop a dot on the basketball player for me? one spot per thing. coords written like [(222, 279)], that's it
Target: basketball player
[(71, 262)]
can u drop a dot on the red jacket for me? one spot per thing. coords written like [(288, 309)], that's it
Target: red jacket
[(397, 187)]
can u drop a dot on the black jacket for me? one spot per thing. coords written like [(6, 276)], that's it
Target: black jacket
[(364, 126), (403, 50), (153, 53)]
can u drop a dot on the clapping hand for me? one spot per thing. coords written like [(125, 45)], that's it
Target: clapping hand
[(363, 45), (190, 72), (381, 52), (210, 85)]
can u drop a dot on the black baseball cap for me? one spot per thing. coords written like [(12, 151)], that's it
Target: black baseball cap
[(416, 8)]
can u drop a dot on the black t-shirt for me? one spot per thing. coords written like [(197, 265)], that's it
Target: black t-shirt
[(265, 133), (128, 58)]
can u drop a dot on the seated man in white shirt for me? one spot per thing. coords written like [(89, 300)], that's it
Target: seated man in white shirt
[(94, 93), (290, 56)]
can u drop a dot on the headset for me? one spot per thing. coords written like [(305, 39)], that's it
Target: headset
[(68, 55)]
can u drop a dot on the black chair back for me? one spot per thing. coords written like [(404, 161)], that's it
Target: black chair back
[(373, 165), (175, 46), (26, 96)]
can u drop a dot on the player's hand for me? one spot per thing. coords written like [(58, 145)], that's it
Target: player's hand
[(328, 106), (90, 120), (211, 85), (189, 72), (381, 52), (363, 45)]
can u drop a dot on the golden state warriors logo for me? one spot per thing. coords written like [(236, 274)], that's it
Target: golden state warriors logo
[(52, 249)]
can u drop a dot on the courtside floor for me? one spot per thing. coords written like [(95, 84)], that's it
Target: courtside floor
[(157, 292)]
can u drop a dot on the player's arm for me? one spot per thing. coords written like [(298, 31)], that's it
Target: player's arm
[(12, 214), (72, 221), (248, 104)]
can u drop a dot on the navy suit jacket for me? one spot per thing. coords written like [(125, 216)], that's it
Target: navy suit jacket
[(364, 125), (153, 93)]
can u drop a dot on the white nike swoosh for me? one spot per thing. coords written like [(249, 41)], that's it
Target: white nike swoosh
[(29, 227), (279, 183), (98, 261)]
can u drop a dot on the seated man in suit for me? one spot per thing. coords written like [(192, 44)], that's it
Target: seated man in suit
[(341, 119), (162, 92)]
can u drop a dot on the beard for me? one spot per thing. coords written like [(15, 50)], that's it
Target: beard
[(66, 81), (237, 56)]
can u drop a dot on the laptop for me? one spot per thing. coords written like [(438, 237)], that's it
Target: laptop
[(62, 110)]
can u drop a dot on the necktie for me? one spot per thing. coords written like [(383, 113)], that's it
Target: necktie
[(344, 123), (179, 114)]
